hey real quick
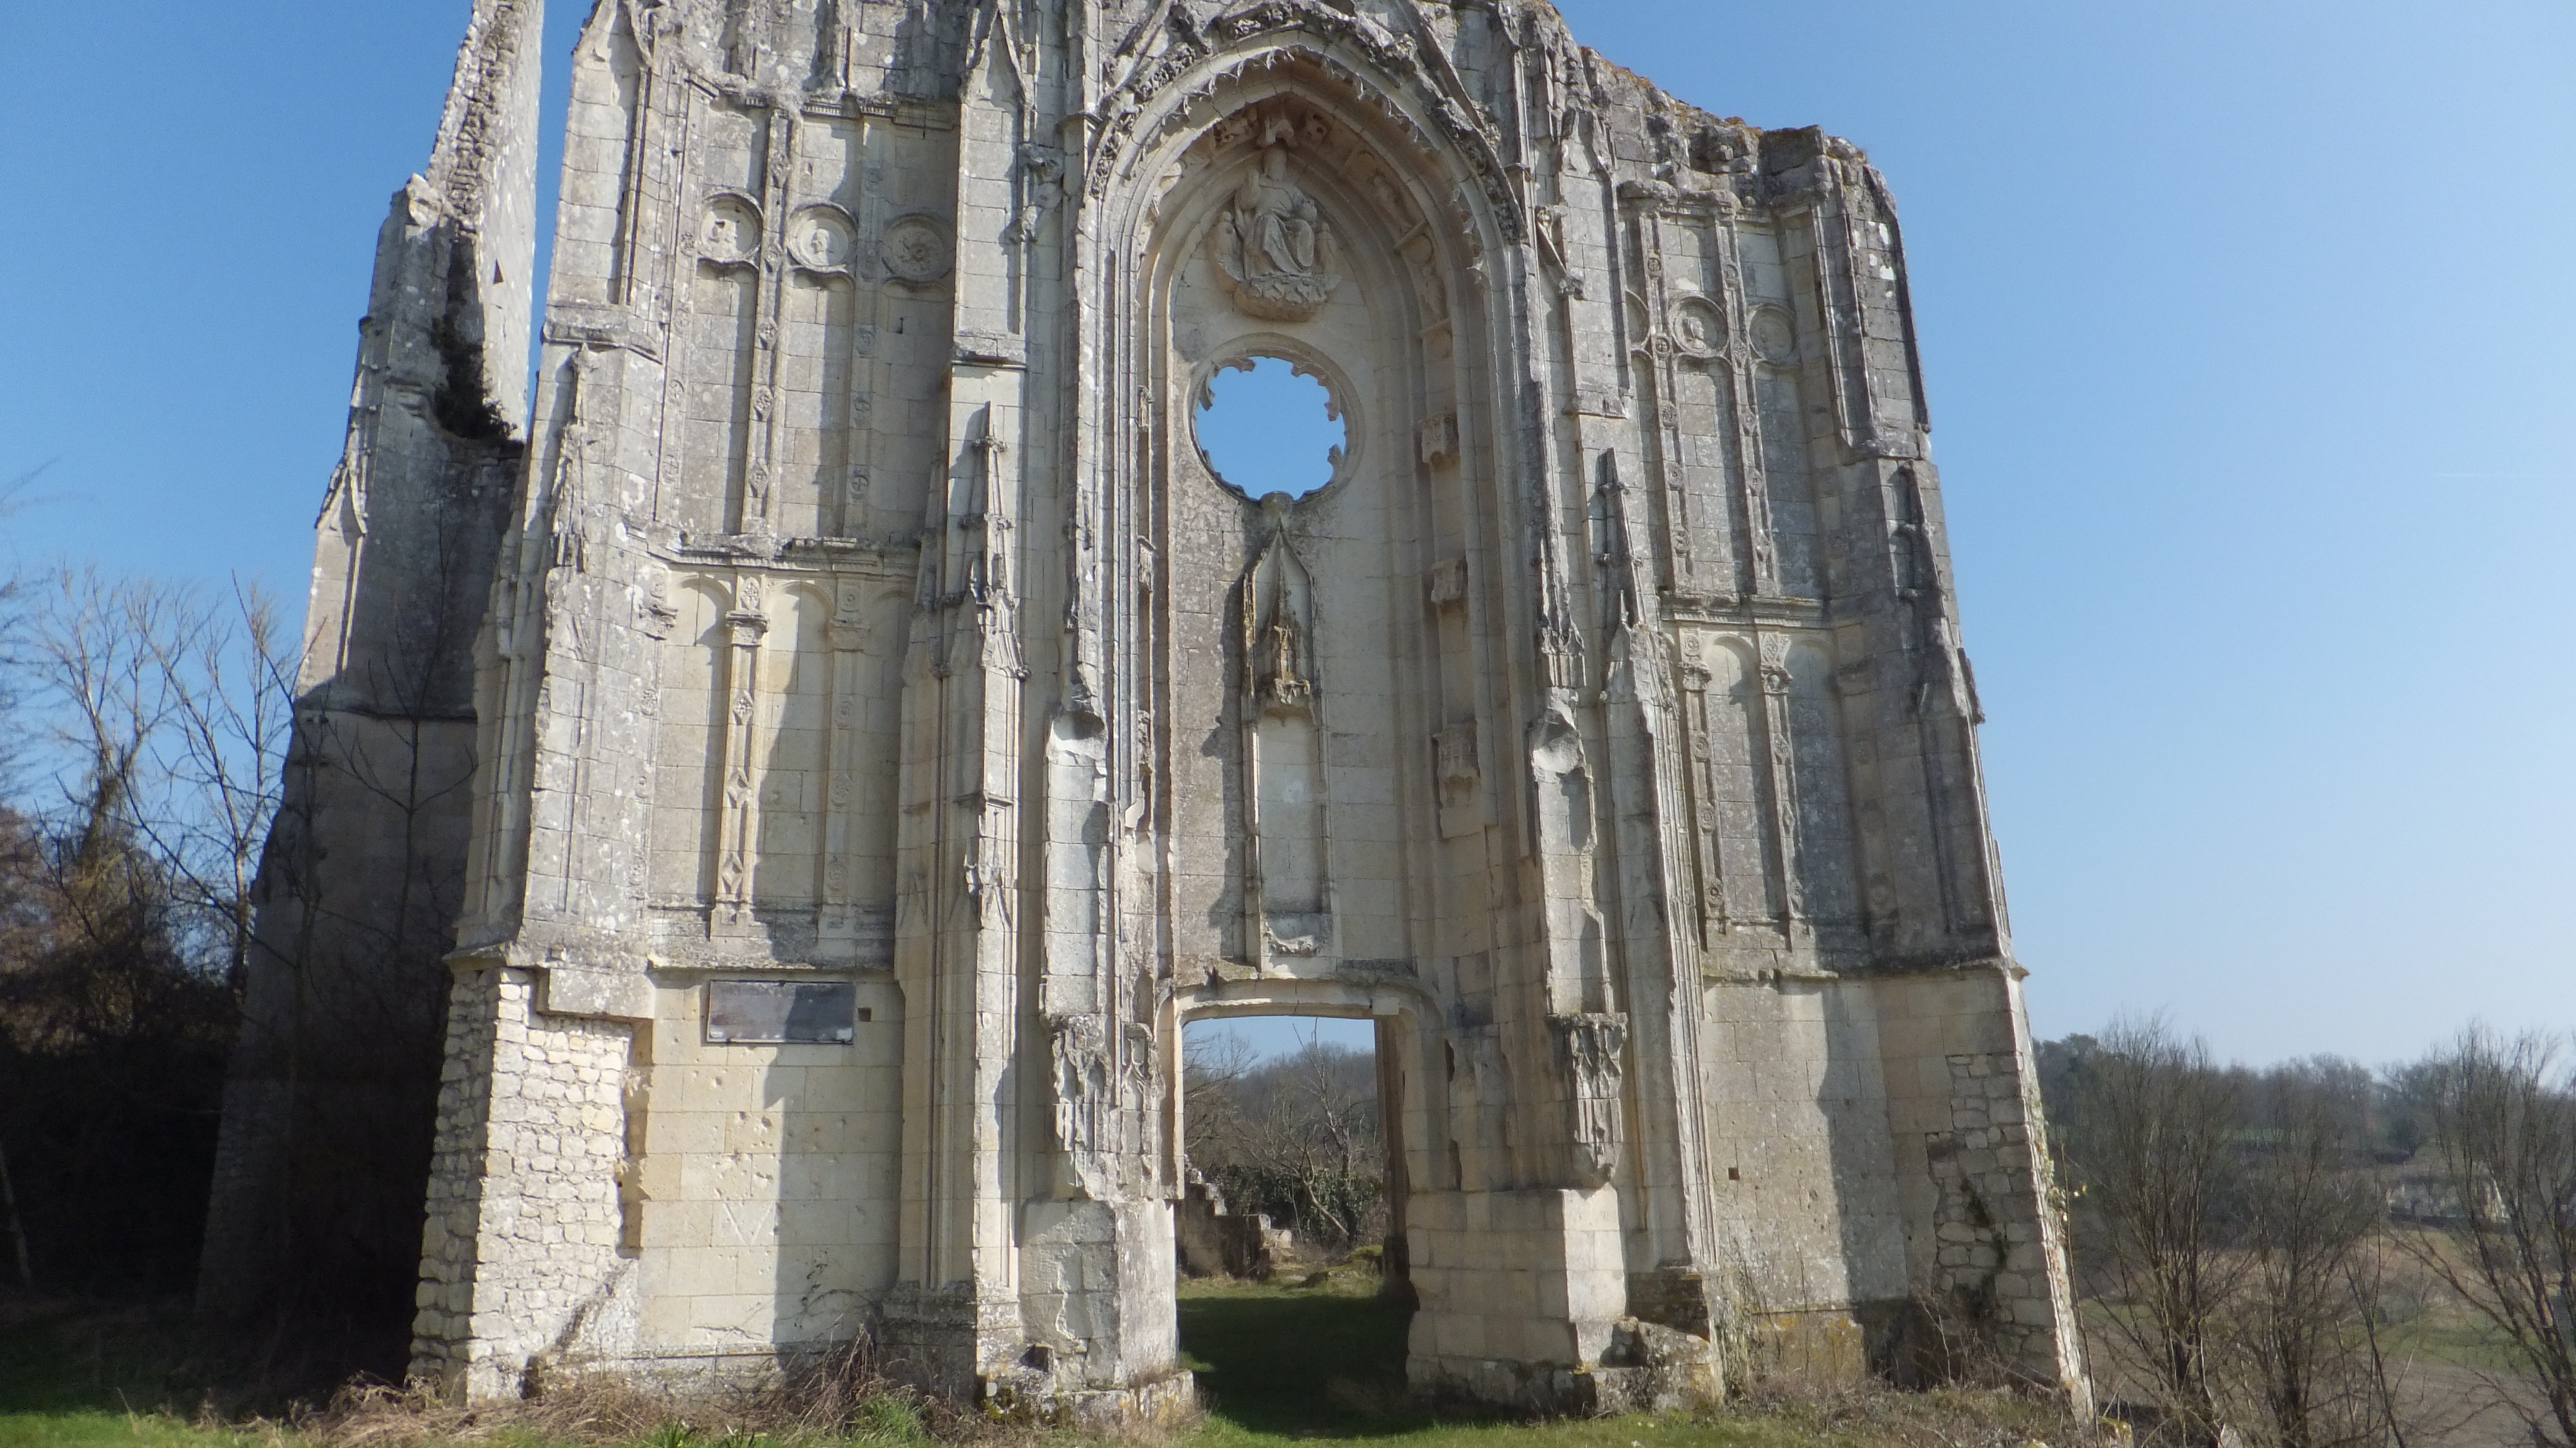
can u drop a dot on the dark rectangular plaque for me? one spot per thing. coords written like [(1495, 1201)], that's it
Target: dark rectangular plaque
[(783, 1013)]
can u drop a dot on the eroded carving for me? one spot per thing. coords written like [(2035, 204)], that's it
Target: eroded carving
[(822, 238), (729, 233), (1086, 1100), (1461, 773), (916, 250), (1275, 247), (1775, 336), (1592, 1052)]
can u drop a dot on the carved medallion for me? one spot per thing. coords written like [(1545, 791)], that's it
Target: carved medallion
[(916, 250), (729, 234), (1702, 330), (1775, 337), (822, 238)]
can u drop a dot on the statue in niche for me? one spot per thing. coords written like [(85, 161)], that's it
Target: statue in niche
[(1281, 675), (1277, 620), (1274, 246)]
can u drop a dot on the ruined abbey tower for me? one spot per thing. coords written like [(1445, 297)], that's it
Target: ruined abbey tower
[(767, 806)]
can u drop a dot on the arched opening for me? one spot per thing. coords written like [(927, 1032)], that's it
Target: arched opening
[(1267, 426), (1294, 1311)]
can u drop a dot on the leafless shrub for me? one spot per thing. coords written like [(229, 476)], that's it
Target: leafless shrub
[(2293, 1339), (1951, 1344), (2237, 1245)]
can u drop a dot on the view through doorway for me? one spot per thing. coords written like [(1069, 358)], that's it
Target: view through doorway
[(1283, 1121)]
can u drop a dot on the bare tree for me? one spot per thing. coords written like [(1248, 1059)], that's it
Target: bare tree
[(2310, 1217), (223, 756), (1213, 1066), (13, 589), (169, 713), (2505, 1129), (1295, 1137), (114, 1016), (2153, 1149)]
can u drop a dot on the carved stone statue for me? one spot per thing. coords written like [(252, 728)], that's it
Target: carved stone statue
[(1283, 678), (1592, 1051), (1274, 246)]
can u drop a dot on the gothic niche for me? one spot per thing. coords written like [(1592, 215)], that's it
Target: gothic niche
[(1278, 255), (1286, 906)]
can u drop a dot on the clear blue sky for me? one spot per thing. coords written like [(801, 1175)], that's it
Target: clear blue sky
[(2251, 336)]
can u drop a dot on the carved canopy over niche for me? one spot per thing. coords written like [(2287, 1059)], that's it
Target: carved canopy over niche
[(1416, 88)]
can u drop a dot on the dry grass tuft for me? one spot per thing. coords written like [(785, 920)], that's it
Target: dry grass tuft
[(1941, 1418), (839, 1398)]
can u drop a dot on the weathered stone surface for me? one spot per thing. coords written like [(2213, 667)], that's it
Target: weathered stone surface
[(867, 612), (325, 1143)]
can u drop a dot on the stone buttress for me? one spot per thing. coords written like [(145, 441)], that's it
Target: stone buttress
[(890, 730), (325, 1143)]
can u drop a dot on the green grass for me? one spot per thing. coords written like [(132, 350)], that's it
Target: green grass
[(1315, 1366), (65, 1388), (2460, 1339), (1277, 1362)]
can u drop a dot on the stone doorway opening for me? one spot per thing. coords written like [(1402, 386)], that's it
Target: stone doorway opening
[(1294, 1307), (1291, 1151)]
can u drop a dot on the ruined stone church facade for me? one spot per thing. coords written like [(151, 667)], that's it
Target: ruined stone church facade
[(871, 730)]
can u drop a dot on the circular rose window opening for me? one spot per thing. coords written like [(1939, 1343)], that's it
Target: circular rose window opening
[(1267, 429)]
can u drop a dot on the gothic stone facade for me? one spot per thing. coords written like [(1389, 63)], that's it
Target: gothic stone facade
[(887, 730)]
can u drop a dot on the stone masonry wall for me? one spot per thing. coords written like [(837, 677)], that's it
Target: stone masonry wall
[(1985, 1226), (763, 1188), (524, 1233)]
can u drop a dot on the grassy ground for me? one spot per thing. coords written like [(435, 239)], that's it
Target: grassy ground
[(1280, 1366), (68, 1382)]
